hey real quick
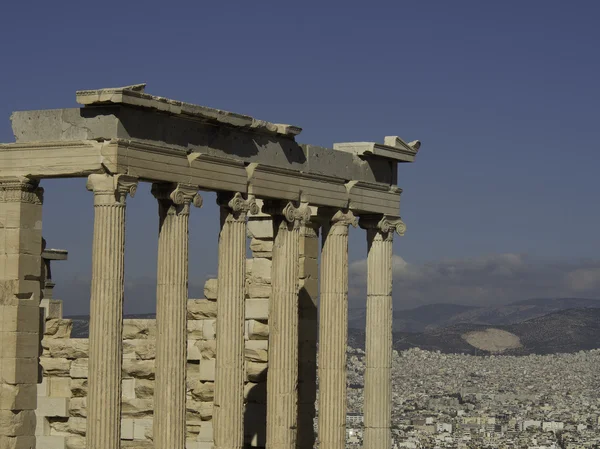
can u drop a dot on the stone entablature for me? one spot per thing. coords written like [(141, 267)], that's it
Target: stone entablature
[(114, 132)]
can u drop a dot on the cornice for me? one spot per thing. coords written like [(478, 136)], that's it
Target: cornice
[(393, 148), (136, 96)]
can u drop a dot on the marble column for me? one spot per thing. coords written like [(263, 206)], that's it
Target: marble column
[(229, 372), (171, 313), (282, 379), (21, 283), (378, 345), (106, 309), (333, 329)]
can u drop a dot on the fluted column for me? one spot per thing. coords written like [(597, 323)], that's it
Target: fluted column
[(282, 379), (106, 309), (333, 330), (229, 373), (171, 313), (378, 345)]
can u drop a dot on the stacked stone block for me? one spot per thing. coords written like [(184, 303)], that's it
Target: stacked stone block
[(258, 292), (62, 394), (21, 279), (308, 330)]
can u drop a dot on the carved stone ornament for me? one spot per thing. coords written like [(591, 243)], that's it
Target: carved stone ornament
[(384, 224), (292, 214), (23, 190), (300, 213), (240, 205), (185, 194), (178, 194), (236, 203), (344, 218), (115, 187)]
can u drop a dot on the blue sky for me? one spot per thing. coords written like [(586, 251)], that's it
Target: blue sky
[(503, 96)]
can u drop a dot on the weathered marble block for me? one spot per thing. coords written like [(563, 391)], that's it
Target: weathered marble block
[(257, 289), (137, 408), (68, 348), (144, 388), (254, 354), (58, 328), (194, 329), (137, 369), (258, 270), (134, 329), (79, 369), (207, 370), (257, 309), (210, 289), (199, 409), (200, 309), (260, 229), (257, 330), (59, 367), (18, 397), (203, 391), (142, 349), (79, 388), (261, 245), (256, 372)]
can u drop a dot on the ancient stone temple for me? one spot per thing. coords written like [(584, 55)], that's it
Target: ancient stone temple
[(238, 367)]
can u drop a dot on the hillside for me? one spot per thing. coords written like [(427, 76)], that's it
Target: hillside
[(566, 331), (432, 316)]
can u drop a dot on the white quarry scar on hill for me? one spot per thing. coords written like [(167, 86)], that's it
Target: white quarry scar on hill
[(493, 340)]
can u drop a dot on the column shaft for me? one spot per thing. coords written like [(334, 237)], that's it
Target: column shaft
[(378, 381), (171, 315), (333, 332), (282, 379), (229, 373), (106, 311)]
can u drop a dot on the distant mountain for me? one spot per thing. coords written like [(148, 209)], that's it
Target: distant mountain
[(561, 329), (568, 330), (433, 316)]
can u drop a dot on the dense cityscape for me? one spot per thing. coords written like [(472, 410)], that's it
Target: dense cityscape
[(485, 402)]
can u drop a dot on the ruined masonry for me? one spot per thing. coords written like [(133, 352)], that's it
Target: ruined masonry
[(237, 368)]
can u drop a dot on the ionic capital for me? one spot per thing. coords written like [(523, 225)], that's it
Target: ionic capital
[(180, 196), (236, 203), (22, 190), (384, 224), (337, 217), (296, 215), (111, 189)]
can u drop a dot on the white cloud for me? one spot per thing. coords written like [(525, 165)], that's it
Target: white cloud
[(484, 280), (584, 279)]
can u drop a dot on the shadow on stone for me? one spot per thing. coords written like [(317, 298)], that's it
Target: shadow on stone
[(307, 369), (255, 415)]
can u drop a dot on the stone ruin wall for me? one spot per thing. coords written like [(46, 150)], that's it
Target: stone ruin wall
[(61, 410)]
